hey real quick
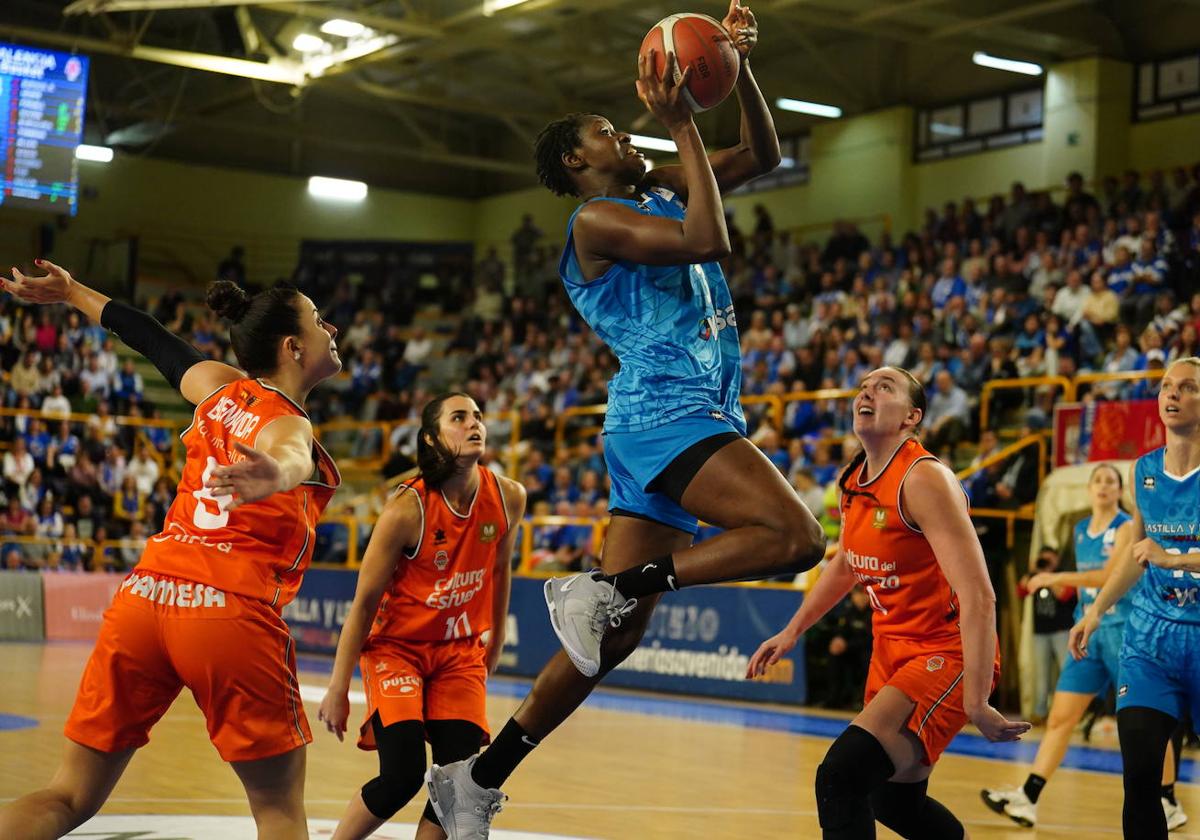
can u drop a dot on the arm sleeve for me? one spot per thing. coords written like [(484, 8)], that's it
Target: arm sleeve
[(167, 351)]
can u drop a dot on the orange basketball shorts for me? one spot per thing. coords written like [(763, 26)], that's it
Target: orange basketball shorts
[(423, 681), (161, 634), (930, 676)]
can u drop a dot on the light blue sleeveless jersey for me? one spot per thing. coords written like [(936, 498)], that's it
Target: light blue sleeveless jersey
[(1092, 553), (672, 328), (1170, 509)]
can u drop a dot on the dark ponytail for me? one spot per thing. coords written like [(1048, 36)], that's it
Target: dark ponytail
[(256, 324), (435, 461), (857, 461)]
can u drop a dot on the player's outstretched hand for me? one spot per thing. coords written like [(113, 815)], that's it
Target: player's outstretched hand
[(1077, 639), (662, 96), (996, 727), (742, 27), (770, 652), (335, 711), (52, 287), (251, 479)]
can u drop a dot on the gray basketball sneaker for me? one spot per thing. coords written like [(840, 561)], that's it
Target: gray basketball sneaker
[(464, 809), (582, 607)]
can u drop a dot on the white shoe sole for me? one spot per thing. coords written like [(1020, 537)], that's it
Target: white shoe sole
[(588, 669), (1179, 823), (998, 805), (445, 817)]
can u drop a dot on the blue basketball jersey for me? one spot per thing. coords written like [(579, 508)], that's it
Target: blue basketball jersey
[(1170, 509), (1092, 552), (672, 328)]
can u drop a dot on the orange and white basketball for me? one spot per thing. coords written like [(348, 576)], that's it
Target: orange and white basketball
[(701, 43)]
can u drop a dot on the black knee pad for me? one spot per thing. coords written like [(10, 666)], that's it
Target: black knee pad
[(401, 749), (453, 740), (854, 766), (385, 795), (906, 809)]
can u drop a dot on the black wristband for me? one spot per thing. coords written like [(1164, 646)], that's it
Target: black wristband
[(167, 351)]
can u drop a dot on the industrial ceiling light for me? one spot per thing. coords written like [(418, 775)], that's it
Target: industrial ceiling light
[(1027, 68)]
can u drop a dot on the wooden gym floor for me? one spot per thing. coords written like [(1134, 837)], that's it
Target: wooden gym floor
[(628, 765)]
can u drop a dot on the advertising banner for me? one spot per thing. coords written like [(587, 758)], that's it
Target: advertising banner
[(699, 640), (1106, 431), (75, 602), (21, 606)]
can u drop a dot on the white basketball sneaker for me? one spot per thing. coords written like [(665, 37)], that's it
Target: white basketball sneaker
[(1175, 815), (1013, 803), (464, 809), (581, 608)]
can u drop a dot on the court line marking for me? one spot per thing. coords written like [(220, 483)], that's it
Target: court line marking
[(1080, 757), (1072, 828)]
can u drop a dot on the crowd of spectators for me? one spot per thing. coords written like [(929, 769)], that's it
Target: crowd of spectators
[(1031, 284), (69, 481)]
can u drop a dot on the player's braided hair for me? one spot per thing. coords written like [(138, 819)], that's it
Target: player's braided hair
[(555, 140), (916, 396), (438, 464)]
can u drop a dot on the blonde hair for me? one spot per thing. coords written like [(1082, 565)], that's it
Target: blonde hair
[(1194, 361)]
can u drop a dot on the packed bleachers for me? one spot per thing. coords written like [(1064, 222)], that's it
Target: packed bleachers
[(1042, 284)]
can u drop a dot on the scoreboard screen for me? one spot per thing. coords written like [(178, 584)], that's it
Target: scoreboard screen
[(42, 96)]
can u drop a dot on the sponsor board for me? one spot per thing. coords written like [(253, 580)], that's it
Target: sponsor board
[(699, 640), (75, 603), (21, 607)]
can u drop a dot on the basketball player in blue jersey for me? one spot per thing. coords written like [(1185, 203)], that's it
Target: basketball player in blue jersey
[(1099, 541), (640, 266), (1160, 671)]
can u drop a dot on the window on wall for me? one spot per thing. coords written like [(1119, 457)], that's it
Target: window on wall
[(1168, 87), (990, 122), (792, 169)]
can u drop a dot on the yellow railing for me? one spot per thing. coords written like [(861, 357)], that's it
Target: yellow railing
[(985, 396), (120, 420), (1082, 379), (95, 549), (528, 525), (1037, 439)]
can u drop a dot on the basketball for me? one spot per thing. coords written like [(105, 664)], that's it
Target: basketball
[(701, 43)]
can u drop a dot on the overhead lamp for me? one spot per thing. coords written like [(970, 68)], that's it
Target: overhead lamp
[(342, 28), (815, 108), (490, 7), (336, 189), (99, 154), (1027, 68), (304, 42)]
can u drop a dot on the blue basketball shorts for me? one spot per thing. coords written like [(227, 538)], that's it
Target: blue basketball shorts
[(1101, 668), (635, 459), (1159, 666)]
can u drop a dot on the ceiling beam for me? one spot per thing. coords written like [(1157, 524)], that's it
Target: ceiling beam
[(92, 7), (257, 128), (380, 23), (893, 9), (276, 71), (1019, 13), (451, 104)]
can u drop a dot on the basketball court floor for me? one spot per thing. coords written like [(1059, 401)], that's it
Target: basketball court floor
[(628, 765)]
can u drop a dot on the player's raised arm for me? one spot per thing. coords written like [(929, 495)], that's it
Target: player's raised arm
[(185, 367), (757, 151)]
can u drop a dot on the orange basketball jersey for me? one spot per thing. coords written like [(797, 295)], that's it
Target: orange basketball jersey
[(261, 549), (442, 588), (892, 559)]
